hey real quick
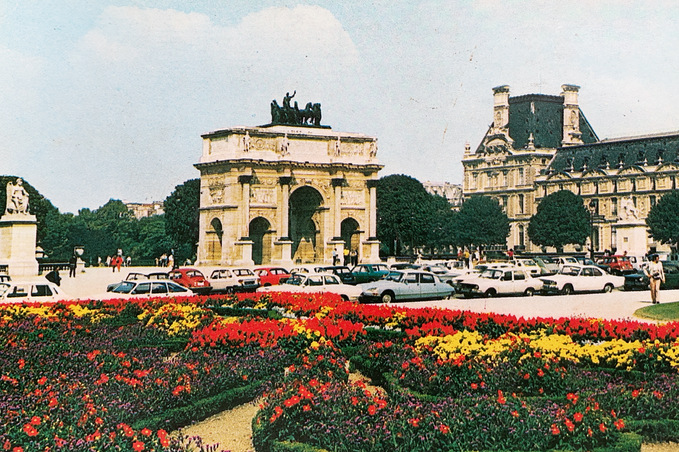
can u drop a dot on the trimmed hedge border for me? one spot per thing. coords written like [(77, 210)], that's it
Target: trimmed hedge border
[(200, 409)]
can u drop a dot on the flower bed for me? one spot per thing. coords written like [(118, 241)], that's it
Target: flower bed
[(118, 375)]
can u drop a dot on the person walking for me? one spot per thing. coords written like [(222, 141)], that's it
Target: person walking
[(656, 275), (72, 264)]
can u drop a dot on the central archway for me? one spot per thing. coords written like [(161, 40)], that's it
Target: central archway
[(306, 225), (262, 240)]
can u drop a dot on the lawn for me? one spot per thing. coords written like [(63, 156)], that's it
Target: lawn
[(120, 375), (663, 312)]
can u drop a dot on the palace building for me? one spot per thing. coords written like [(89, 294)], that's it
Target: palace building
[(539, 144), (287, 193)]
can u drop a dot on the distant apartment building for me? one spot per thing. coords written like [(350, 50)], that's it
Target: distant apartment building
[(452, 192), (142, 209)]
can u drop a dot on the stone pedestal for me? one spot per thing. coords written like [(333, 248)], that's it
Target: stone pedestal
[(17, 245), (631, 236), (245, 252), (371, 251), (283, 248)]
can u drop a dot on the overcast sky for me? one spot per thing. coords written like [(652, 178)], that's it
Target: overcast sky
[(108, 99)]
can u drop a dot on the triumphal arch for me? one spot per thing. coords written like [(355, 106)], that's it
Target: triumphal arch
[(290, 192)]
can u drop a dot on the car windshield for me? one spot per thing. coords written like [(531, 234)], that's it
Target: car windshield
[(124, 287), (491, 274), (243, 272), (395, 276), (294, 280), (570, 270), (529, 262)]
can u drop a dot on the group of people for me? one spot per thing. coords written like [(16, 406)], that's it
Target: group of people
[(350, 257), (166, 260)]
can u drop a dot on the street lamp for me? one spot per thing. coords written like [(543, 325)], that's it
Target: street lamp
[(592, 212)]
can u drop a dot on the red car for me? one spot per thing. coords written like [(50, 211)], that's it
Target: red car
[(616, 265), (192, 279), (271, 276)]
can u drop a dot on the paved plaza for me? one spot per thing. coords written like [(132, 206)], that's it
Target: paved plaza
[(612, 306)]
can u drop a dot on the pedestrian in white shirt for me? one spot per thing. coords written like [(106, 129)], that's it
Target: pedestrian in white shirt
[(656, 275)]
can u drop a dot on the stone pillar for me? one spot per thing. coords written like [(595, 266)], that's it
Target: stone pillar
[(244, 242), (337, 184), (371, 247), (284, 243)]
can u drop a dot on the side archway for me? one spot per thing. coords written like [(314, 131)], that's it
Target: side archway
[(262, 240), (306, 224), (214, 241), (351, 235)]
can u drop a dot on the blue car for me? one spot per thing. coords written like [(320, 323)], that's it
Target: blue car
[(406, 285)]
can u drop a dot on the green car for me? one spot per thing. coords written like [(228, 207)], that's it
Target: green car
[(369, 272)]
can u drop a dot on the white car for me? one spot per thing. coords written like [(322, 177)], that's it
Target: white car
[(231, 280), (314, 283), (38, 290), (501, 281), (475, 272), (146, 289), (581, 278), (528, 264)]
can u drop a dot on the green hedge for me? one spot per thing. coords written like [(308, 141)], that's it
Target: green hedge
[(201, 409)]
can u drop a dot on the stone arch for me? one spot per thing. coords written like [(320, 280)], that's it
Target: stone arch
[(261, 235), (214, 240), (350, 233), (306, 224)]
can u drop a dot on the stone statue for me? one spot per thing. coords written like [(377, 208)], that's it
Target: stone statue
[(373, 148), (628, 210), (17, 198), (246, 142), (284, 145), (338, 147), (292, 115)]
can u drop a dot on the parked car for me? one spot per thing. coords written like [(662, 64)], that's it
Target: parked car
[(475, 272), (507, 281), (30, 290), (638, 261), (369, 272), (581, 278), (313, 283), (404, 266), (616, 264), (342, 272), (229, 280), (639, 280), (192, 279), (307, 268), (406, 285), (147, 289), (528, 264), (548, 264), (136, 276), (444, 274), (269, 276), (582, 260)]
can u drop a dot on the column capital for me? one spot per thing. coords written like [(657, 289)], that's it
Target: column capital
[(245, 178), (338, 181), (285, 180), (372, 183)]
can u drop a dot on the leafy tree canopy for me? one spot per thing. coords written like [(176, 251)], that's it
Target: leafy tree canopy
[(561, 219), (181, 218), (663, 219), (38, 205), (481, 221)]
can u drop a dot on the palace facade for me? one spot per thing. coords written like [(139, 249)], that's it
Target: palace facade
[(539, 144)]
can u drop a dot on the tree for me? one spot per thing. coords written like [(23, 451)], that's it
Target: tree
[(181, 218), (441, 231), (663, 219), (481, 221), (403, 217), (561, 219)]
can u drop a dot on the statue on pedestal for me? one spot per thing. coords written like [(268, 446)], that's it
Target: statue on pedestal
[(628, 210), (292, 115), (17, 198)]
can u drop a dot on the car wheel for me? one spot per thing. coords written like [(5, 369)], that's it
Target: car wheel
[(387, 297), (608, 288), (529, 292), (467, 295), (490, 293), (344, 298), (567, 289), (267, 284)]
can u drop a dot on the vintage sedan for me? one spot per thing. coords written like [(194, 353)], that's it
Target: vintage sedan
[(369, 272), (315, 283), (406, 285), (190, 278), (507, 281), (581, 278), (230, 280), (639, 280), (29, 291), (146, 289)]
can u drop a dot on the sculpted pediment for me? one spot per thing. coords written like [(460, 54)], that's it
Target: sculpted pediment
[(631, 170), (669, 166), (559, 176), (594, 173)]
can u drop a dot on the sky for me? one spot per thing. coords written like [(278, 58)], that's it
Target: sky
[(107, 99)]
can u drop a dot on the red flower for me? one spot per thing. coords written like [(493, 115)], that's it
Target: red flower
[(53, 402), (555, 430), (372, 409), (35, 420), (635, 393), (138, 446), (475, 386), (146, 432), (306, 408), (540, 373), (602, 427), (42, 380), (578, 417), (415, 422), (515, 413), (443, 428), (501, 398), (30, 430), (619, 424)]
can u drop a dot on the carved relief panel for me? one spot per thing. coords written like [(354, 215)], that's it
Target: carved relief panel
[(352, 198)]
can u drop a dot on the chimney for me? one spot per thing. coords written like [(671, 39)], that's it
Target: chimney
[(501, 108), (571, 116)]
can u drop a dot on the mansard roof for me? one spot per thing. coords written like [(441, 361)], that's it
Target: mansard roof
[(641, 151), (542, 116)]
